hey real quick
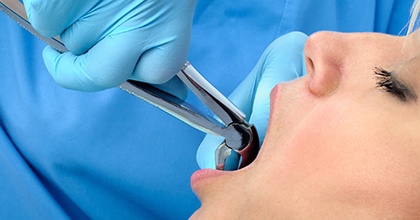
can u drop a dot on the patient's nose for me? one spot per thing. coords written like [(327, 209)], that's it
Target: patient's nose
[(323, 59)]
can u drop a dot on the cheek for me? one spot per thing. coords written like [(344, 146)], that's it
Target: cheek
[(294, 155), (304, 148), (343, 154)]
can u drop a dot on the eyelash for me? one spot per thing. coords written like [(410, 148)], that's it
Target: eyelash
[(385, 81)]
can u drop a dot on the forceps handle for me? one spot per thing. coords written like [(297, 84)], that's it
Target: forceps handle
[(214, 100), (222, 107)]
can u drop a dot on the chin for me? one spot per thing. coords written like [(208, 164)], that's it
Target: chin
[(195, 215), (201, 214)]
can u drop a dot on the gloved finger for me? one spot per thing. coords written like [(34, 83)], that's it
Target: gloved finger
[(101, 68), (281, 61), (174, 86), (115, 62), (108, 64), (160, 63), (95, 24), (51, 18)]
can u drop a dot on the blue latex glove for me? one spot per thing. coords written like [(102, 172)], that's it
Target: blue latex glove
[(111, 41), (281, 61)]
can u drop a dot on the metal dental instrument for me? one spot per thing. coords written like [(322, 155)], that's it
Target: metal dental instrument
[(241, 144)]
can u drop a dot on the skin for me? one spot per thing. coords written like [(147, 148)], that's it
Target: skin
[(337, 146)]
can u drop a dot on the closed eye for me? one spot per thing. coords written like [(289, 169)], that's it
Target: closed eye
[(386, 81)]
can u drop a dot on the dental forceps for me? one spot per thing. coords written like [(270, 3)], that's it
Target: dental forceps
[(241, 144)]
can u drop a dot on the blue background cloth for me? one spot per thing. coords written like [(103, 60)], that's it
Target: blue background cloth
[(108, 155)]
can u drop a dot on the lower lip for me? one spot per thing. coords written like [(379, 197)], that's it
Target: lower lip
[(200, 176)]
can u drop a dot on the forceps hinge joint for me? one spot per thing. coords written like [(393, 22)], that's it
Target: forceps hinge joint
[(233, 158)]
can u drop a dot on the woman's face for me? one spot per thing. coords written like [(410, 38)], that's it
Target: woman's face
[(342, 142)]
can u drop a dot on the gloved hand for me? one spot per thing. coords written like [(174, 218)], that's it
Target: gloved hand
[(110, 41), (281, 61)]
